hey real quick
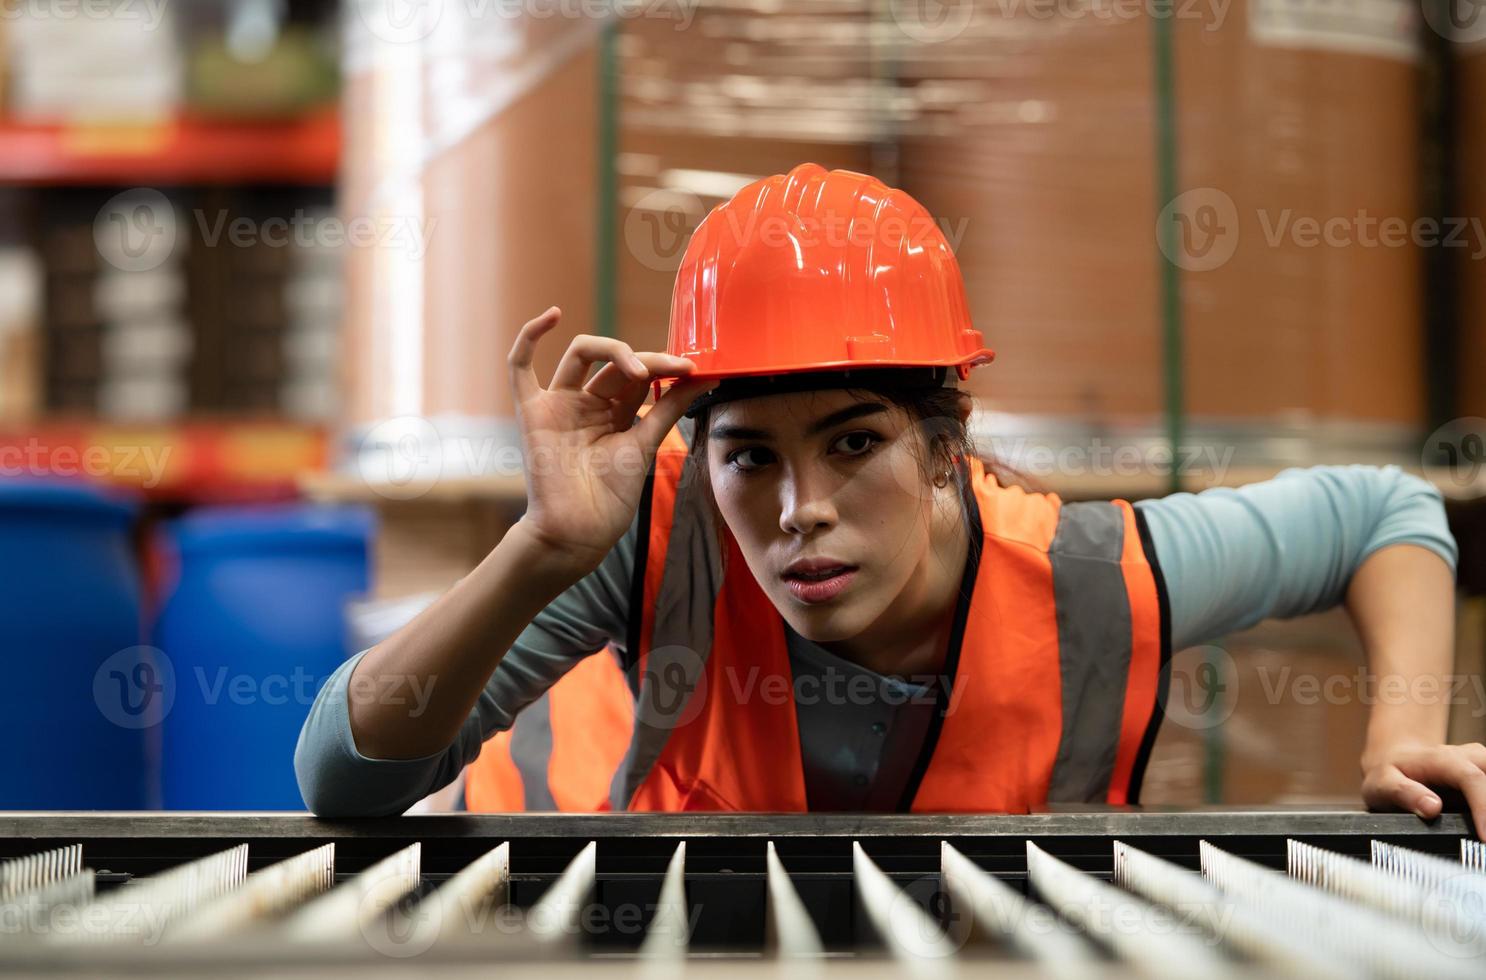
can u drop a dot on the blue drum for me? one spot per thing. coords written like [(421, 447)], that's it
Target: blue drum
[(81, 692), (252, 629)]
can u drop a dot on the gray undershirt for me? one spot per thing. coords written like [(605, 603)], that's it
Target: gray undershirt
[(864, 745)]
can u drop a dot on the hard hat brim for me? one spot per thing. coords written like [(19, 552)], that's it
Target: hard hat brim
[(878, 378)]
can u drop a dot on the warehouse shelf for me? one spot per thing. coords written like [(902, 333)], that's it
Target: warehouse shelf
[(185, 150), (191, 462)]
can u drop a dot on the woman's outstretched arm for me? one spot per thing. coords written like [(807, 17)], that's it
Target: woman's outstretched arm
[(1373, 539)]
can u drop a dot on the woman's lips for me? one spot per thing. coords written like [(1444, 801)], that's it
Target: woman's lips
[(820, 590)]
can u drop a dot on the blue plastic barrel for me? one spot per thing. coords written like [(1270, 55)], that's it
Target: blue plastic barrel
[(79, 691), (252, 629)]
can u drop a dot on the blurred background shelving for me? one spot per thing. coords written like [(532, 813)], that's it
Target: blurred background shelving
[(129, 145)]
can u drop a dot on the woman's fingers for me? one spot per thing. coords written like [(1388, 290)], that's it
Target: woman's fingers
[(627, 406), (584, 352), (587, 350), (1394, 789), (664, 414), (523, 379), (1452, 765), (617, 380)]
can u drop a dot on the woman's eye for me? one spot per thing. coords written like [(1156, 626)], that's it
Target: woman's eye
[(853, 444), (735, 457), (858, 443)]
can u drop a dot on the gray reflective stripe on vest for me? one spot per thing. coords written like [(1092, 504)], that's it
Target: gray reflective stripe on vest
[(531, 751), (682, 635), (1093, 616)]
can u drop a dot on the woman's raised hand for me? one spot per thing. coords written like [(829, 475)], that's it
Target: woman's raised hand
[(584, 455)]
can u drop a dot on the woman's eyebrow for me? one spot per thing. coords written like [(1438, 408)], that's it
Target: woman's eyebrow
[(859, 410)]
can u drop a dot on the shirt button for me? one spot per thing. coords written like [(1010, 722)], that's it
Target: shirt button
[(878, 728), (859, 779)]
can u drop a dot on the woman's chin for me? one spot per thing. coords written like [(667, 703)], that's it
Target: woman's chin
[(825, 623)]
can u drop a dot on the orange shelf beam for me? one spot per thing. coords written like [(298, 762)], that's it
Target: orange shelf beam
[(178, 151), (190, 461)]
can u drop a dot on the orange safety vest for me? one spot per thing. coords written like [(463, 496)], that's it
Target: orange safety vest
[(1056, 663)]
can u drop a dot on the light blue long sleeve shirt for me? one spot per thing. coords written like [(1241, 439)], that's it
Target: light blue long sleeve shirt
[(1229, 557)]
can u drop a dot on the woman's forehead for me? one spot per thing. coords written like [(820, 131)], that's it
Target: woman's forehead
[(796, 414)]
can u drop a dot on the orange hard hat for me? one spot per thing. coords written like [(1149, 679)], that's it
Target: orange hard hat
[(821, 271)]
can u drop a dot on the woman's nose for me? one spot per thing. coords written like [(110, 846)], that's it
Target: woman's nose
[(805, 509)]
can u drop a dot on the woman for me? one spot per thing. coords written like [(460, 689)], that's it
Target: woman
[(812, 593)]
